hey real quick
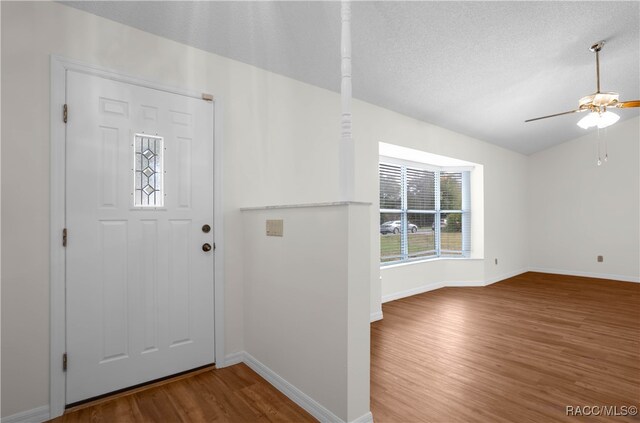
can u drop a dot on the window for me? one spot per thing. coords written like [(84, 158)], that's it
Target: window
[(148, 171), (424, 212)]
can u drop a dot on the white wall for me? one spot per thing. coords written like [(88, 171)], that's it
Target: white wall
[(579, 210), (280, 136), (305, 314), (504, 202)]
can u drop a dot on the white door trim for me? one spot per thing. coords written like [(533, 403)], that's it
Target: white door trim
[(59, 66)]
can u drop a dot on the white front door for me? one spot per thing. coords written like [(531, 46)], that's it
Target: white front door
[(139, 192)]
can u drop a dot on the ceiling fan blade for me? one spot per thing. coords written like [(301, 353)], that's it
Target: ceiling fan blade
[(625, 104), (557, 114)]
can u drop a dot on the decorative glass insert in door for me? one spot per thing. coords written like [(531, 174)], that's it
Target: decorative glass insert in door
[(148, 171)]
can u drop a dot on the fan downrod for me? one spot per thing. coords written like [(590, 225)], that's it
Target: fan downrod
[(596, 49)]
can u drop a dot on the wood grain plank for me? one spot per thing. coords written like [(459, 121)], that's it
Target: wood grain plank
[(232, 394), (518, 350)]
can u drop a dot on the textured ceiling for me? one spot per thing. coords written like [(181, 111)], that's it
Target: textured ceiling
[(478, 68)]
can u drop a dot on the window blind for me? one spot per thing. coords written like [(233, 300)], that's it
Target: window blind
[(390, 187), (423, 213)]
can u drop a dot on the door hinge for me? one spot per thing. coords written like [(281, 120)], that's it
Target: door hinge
[(64, 237), (64, 113), (207, 97), (64, 362)]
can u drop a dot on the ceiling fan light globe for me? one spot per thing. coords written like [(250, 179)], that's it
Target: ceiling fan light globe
[(601, 120), (588, 121), (607, 119)]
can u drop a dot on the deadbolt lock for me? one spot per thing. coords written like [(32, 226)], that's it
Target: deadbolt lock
[(206, 229)]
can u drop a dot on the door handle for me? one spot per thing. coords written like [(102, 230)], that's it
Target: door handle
[(206, 247)]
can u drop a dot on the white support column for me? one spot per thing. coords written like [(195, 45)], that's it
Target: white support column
[(347, 150), (358, 281)]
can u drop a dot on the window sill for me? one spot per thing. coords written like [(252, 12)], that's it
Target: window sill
[(427, 260)]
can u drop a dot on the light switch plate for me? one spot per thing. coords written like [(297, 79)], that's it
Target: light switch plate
[(274, 227)]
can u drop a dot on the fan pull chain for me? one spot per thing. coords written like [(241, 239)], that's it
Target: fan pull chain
[(606, 154), (599, 156)]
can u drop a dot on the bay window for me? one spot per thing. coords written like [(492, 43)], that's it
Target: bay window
[(424, 212)]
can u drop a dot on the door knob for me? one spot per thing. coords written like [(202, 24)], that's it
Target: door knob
[(206, 247)]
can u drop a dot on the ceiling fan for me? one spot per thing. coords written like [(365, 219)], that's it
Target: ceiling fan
[(597, 103)]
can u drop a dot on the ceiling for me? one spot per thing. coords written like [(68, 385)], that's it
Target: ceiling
[(478, 68)]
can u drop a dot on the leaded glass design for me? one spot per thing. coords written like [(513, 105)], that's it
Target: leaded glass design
[(148, 171)]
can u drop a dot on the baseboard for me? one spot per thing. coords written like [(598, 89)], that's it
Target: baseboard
[(231, 359), (412, 291), (454, 284), (621, 278), (375, 316), (310, 405), (296, 395), (35, 415), (365, 418), (463, 284), (491, 281)]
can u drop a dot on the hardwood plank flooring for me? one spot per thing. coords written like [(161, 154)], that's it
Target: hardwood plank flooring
[(232, 394), (520, 350)]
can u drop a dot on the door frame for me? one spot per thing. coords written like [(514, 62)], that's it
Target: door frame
[(59, 66)]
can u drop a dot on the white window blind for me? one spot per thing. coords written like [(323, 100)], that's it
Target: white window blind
[(420, 213), (423, 213), (390, 187)]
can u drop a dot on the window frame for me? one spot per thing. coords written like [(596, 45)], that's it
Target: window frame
[(404, 211)]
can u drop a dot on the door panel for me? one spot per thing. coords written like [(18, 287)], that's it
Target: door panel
[(139, 187), (113, 278), (179, 281), (149, 284)]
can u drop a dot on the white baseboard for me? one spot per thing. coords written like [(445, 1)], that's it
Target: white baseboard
[(310, 405), (375, 316), (622, 278), (491, 281), (296, 395), (412, 291), (437, 285), (35, 415), (231, 359), (463, 284), (365, 418), (457, 284)]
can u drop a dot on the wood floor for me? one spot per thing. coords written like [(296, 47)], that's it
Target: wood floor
[(520, 350), (232, 394)]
